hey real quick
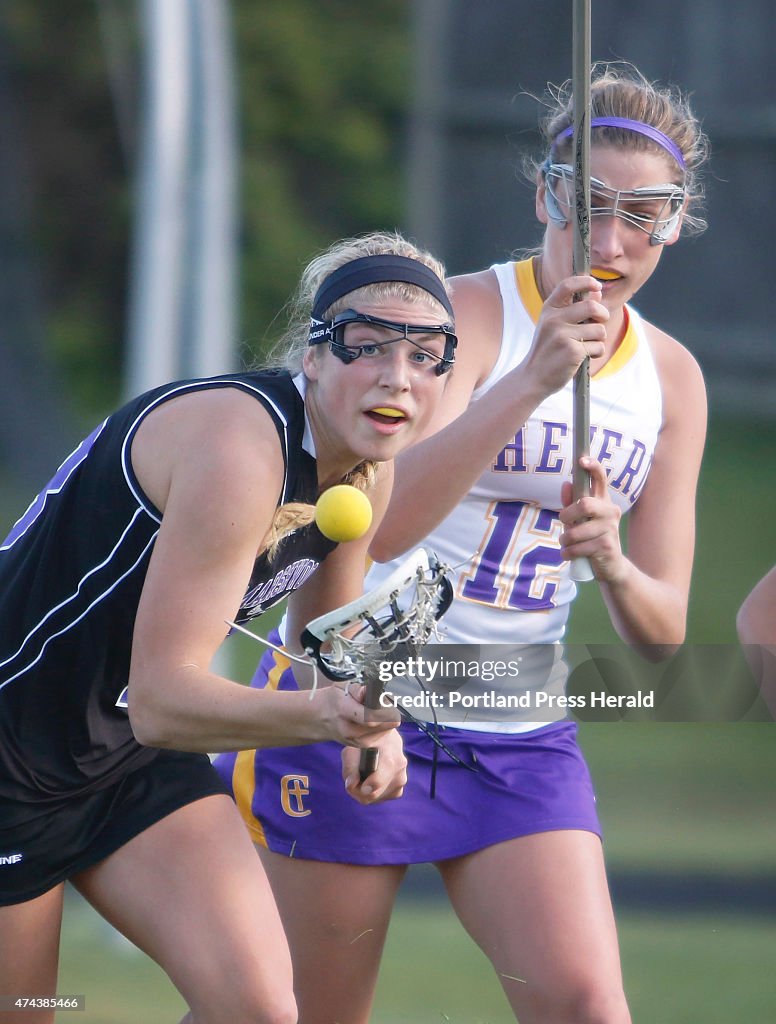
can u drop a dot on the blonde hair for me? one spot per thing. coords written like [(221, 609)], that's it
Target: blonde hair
[(289, 350), (620, 90)]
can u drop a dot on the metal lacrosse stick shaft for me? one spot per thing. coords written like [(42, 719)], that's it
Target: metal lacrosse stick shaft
[(580, 81), (374, 690)]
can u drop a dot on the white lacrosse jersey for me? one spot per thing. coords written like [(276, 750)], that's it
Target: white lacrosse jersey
[(511, 585)]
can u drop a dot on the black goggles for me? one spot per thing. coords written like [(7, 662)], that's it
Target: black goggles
[(332, 332)]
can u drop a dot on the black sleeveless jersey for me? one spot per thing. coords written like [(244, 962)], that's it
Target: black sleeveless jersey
[(71, 573)]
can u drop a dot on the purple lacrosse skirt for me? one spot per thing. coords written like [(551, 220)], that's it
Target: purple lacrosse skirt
[(294, 801)]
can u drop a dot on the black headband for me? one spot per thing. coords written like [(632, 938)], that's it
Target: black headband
[(378, 269)]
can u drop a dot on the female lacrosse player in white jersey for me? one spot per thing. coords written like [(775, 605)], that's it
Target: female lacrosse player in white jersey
[(513, 828)]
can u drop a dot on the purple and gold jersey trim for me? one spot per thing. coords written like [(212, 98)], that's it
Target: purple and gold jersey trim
[(279, 665), (244, 788), (525, 278), (244, 770)]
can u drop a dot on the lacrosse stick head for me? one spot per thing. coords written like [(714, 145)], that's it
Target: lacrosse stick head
[(402, 610)]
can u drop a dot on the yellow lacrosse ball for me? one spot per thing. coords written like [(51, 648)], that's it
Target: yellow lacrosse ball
[(343, 513)]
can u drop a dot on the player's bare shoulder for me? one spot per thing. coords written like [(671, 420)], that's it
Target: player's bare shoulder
[(681, 378), (479, 320), (220, 434)]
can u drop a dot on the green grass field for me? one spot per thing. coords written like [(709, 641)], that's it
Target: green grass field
[(679, 969), (686, 797)]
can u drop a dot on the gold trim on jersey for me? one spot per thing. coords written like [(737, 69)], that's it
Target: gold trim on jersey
[(528, 290), (243, 787), (281, 663), (244, 773)]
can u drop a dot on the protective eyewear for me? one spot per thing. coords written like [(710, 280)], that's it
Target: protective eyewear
[(333, 333), (654, 209)]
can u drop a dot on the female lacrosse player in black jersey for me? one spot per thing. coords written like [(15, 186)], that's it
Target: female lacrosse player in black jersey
[(190, 506)]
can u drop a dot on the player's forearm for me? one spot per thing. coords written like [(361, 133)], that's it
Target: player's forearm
[(648, 614), (435, 475), (207, 713)]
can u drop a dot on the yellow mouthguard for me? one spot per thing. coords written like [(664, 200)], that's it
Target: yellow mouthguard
[(604, 275), (389, 412)]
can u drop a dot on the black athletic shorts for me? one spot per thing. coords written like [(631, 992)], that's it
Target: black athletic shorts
[(79, 832)]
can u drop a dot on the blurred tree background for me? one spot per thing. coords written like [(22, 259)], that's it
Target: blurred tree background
[(321, 116), (73, 197)]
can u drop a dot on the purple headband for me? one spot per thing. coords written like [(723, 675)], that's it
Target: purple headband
[(634, 126)]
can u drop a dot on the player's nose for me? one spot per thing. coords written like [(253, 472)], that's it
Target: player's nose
[(606, 236), (395, 367)]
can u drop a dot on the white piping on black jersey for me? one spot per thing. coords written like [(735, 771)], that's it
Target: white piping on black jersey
[(188, 389), (101, 597), (74, 595)]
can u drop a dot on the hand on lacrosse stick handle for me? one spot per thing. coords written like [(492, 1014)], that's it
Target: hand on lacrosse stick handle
[(388, 780), (374, 689), (368, 763)]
